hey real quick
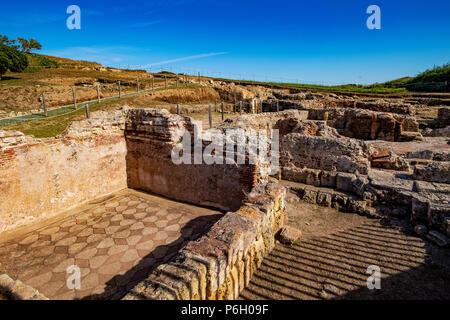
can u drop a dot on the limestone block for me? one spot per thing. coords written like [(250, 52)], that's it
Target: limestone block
[(289, 235), (344, 181)]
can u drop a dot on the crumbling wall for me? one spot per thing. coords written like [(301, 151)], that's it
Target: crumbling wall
[(263, 120), (219, 265), (326, 101), (152, 135), (41, 177), (326, 153), (435, 171)]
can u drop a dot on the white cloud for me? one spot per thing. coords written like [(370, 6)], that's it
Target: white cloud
[(145, 24), (199, 56)]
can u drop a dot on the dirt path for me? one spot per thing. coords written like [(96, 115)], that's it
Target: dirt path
[(331, 258)]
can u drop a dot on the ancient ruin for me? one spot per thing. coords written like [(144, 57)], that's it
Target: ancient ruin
[(106, 195)]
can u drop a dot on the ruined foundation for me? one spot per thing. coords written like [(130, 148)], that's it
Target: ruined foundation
[(363, 157)]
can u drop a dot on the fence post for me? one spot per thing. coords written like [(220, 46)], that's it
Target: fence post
[(74, 98), (210, 116), (87, 111), (185, 80), (234, 105), (278, 105), (199, 78), (177, 80), (45, 104), (178, 109), (165, 78), (98, 94), (137, 87), (240, 107), (153, 83), (120, 91), (222, 110)]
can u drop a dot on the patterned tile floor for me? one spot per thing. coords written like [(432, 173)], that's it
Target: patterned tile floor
[(115, 243)]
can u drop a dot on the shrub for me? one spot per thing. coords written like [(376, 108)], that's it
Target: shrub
[(16, 61)]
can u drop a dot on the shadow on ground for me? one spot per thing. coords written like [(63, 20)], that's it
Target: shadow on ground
[(119, 285), (333, 265)]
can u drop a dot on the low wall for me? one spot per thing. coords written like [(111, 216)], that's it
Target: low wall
[(220, 264), (307, 101), (326, 153), (40, 178), (263, 120)]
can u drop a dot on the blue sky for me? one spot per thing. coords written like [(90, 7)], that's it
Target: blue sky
[(322, 41)]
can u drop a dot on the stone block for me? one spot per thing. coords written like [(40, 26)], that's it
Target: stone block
[(437, 238), (344, 181), (289, 235), (324, 198), (328, 179)]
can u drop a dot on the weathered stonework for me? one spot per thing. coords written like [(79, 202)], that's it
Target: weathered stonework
[(220, 264), (16, 290), (263, 120), (40, 178), (435, 171), (325, 153), (151, 136)]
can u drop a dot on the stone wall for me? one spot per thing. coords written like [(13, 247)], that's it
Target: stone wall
[(152, 135), (263, 120), (220, 264), (367, 125), (40, 178), (326, 153), (309, 101), (435, 171), (358, 123), (17, 290)]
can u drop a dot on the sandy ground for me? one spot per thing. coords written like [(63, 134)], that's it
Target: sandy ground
[(331, 259)]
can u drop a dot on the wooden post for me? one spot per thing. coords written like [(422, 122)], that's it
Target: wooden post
[(234, 105), (120, 91), (222, 110), (98, 94), (137, 87), (87, 111), (153, 83), (178, 109), (185, 80), (199, 78), (210, 116), (74, 98), (278, 106), (240, 107), (45, 104), (177, 80), (165, 78)]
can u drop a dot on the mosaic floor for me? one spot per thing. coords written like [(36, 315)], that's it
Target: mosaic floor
[(115, 243)]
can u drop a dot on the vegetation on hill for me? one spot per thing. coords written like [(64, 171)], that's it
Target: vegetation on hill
[(37, 60), (12, 59), (435, 79)]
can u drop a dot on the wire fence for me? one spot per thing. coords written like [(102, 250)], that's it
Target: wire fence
[(59, 111), (170, 80)]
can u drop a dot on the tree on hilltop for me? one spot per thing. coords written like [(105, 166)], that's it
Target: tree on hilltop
[(12, 59)]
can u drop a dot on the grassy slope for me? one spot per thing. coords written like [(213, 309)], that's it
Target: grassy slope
[(51, 127)]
